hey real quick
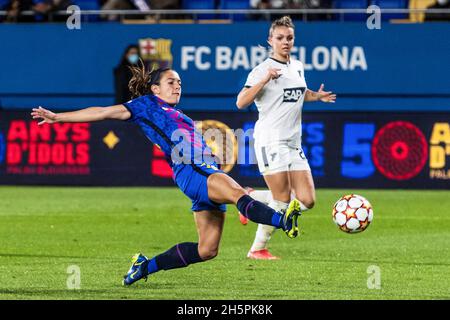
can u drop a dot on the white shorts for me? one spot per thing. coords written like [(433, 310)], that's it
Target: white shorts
[(280, 157)]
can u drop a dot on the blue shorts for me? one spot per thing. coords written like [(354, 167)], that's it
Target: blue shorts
[(192, 180)]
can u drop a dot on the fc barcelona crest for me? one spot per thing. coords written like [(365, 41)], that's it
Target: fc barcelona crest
[(156, 53)]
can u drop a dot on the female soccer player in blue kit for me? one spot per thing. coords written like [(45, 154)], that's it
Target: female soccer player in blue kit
[(208, 187)]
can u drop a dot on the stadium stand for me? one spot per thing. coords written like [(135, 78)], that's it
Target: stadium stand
[(3, 4), (89, 5), (200, 5), (351, 4), (414, 17), (235, 4), (392, 4)]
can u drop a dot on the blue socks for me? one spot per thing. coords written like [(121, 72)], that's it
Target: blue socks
[(179, 256), (259, 212), (186, 253)]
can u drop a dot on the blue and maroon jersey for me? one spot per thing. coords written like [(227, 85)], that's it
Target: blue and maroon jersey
[(171, 130)]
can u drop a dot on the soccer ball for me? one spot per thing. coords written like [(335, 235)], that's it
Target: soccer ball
[(352, 213)]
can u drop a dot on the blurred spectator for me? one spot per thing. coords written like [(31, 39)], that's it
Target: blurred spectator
[(115, 5), (309, 4), (44, 8), (141, 5), (267, 4), (291, 4), (166, 5), (15, 7), (440, 4), (13, 10), (264, 5), (122, 73)]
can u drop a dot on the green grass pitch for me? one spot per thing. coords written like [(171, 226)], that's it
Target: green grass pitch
[(43, 231)]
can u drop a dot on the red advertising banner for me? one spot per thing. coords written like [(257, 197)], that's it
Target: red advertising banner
[(344, 150)]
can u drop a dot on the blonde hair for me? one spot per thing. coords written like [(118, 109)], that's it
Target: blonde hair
[(285, 21)]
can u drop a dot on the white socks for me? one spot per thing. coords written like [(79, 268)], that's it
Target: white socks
[(264, 196), (303, 208), (264, 232)]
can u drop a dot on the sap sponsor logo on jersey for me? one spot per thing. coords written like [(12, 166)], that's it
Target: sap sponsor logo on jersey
[(293, 94), (320, 58)]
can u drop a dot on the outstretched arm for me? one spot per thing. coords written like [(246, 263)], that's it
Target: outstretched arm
[(324, 96), (90, 114)]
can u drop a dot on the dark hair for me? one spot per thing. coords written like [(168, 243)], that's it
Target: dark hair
[(123, 59), (142, 80)]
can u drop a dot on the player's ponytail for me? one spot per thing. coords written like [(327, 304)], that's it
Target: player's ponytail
[(141, 82)]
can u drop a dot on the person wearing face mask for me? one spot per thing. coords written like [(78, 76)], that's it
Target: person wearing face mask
[(440, 4), (195, 171), (122, 73)]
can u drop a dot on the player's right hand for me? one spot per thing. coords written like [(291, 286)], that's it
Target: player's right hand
[(272, 74), (46, 115)]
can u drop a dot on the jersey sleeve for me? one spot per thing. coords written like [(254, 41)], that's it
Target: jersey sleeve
[(136, 107), (255, 76)]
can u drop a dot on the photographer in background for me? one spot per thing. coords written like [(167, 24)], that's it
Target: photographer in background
[(45, 7)]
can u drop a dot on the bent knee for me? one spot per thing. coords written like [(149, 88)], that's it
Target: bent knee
[(208, 253), (307, 202), (238, 192)]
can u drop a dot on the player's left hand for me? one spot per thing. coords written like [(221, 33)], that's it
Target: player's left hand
[(326, 96)]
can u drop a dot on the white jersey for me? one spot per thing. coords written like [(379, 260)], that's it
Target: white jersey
[(279, 103)]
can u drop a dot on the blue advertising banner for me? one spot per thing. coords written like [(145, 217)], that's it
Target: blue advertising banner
[(344, 150), (55, 66)]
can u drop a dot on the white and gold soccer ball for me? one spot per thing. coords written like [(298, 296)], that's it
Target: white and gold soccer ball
[(352, 213)]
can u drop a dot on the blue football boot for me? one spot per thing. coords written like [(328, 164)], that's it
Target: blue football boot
[(138, 269)]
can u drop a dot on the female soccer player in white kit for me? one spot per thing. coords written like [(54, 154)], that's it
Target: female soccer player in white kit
[(278, 88)]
